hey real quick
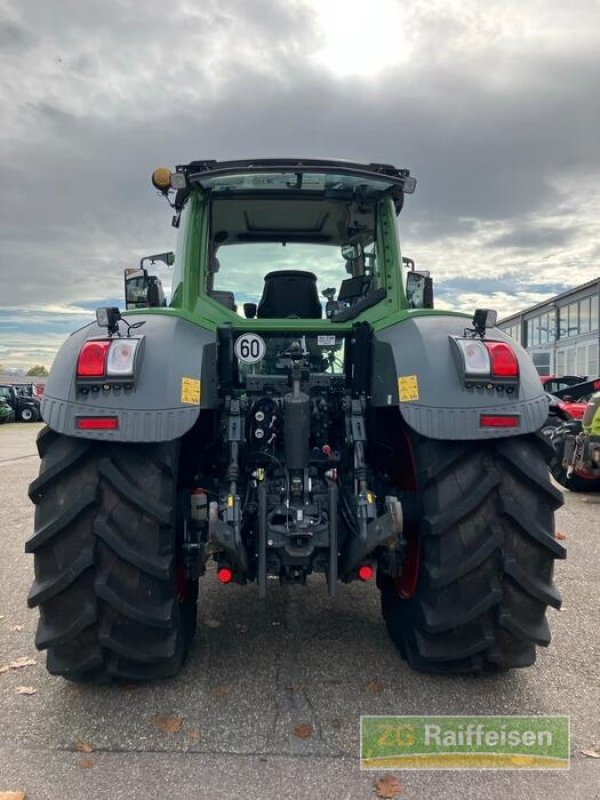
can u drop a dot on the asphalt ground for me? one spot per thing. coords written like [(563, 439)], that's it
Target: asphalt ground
[(225, 727)]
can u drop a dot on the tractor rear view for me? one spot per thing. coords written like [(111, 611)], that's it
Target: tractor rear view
[(294, 411)]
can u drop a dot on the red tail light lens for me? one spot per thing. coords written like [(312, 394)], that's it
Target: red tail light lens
[(92, 360), (224, 575), (499, 421), (503, 360), (98, 423), (365, 573)]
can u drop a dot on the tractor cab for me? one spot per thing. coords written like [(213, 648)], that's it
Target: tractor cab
[(285, 239)]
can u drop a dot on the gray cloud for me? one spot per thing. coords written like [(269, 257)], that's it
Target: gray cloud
[(533, 237), (490, 109)]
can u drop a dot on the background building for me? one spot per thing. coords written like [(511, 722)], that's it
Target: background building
[(562, 335)]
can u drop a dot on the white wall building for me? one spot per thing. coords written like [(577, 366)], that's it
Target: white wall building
[(562, 335)]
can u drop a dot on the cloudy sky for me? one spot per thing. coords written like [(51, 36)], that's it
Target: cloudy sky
[(492, 104)]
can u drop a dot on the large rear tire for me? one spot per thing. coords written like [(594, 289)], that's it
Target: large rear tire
[(104, 547), (485, 527)]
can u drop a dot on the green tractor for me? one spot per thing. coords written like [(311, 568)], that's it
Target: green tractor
[(299, 409)]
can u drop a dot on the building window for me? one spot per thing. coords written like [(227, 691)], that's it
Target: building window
[(573, 319), (581, 353), (542, 362), (578, 318), (560, 362), (584, 315), (592, 369), (570, 361), (562, 322), (552, 321), (513, 331)]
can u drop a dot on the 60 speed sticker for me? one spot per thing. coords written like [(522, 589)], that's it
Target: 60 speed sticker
[(250, 348)]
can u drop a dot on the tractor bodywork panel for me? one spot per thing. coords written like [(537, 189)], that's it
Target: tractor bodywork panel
[(414, 364), (175, 378)]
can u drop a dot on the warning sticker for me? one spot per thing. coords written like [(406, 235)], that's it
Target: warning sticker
[(408, 388), (190, 391)]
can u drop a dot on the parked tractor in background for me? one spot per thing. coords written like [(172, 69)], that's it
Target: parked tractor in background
[(26, 407), (7, 413), (576, 442), (294, 412)]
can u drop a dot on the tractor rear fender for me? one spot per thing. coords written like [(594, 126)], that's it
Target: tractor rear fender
[(175, 378), (414, 365)]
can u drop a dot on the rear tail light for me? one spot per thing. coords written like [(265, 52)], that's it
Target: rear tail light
[(92, 360), (108, 358), (224, 575), (503, 360), (476, 357), (121, 357), (482, 360)]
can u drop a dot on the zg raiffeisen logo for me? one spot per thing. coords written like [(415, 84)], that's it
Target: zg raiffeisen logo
[(521, 742)]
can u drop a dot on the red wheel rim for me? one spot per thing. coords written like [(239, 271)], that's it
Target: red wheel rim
[(406, 584)]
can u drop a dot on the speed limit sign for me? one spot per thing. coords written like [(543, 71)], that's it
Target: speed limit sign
[(250, 348)]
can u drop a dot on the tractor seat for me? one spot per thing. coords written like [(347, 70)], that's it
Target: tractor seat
[(290, 293)]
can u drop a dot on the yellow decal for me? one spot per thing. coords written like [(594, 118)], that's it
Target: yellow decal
[(190, 391), (408, 388)]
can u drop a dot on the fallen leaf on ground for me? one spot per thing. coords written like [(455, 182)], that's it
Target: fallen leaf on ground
[(167, 724), (560, 536), (24, 661), (194, 735), (25, 690), (212, 623), (3, 669), (375, 687), (83, 747), (387, 786), (222, 691), (242, 628), (12, 795), (86, 763), (592, 752), (2, 616), (17, 628), (303, 730)]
